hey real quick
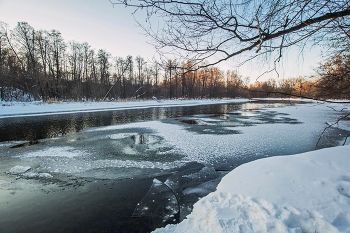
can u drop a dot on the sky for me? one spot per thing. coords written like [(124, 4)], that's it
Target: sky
[(114, 29), (96, 22)]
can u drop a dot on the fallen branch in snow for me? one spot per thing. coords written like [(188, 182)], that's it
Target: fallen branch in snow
[(346, 138), (134, 96), (341, 110)]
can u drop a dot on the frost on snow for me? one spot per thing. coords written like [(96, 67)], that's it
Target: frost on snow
[(225, 212)]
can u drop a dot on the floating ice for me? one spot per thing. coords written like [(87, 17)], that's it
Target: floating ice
[(159, 203), (120, 136), (65, 151), (16, 170), (33, 175)]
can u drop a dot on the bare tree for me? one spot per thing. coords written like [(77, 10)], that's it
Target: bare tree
[(121, 67), (42, 40), (156, 70), (103, 62), (234, 84), (2, 43), (140, 66), (23, 37), (56, 61), (334, 81), (222, 29), (170, 69)]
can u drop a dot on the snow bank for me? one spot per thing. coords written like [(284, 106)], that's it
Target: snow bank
[(308, 192)]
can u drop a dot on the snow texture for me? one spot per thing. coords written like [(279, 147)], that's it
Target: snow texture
[(65, 151), (308, 192)]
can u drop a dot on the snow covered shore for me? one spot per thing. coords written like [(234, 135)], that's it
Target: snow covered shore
[(308, 192)]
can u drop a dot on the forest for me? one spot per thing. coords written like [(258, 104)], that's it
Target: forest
[(41, 65)]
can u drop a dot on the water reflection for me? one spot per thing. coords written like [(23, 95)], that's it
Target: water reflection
[(48, 126)]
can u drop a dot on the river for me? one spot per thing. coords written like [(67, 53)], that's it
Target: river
[(135, 170)]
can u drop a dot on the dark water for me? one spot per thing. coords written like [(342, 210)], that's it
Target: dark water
[(49, 126), (94, 207)]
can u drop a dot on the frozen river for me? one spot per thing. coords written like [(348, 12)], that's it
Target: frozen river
[(134, 170)]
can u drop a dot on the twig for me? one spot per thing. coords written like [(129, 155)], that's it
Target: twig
[(137, 91)]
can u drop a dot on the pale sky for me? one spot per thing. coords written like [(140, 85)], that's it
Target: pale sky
[(114, 29), (93, 21)]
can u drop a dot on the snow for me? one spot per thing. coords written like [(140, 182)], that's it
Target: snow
[(18, 169), (22, 171), (65, 151), (32, 175), (308, 192)]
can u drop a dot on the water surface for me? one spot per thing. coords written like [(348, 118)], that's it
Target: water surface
[(53, 125)]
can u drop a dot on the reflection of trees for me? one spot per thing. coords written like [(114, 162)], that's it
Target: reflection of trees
[(32, 128)]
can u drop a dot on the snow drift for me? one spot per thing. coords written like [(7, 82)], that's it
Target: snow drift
[(308, 192)]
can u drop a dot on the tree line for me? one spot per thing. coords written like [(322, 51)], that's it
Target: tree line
[(41, 65), (331, 82)]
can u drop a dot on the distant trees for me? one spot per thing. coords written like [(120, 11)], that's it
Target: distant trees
[(285, 88), (41, 65), (334, 81), (234, 84)]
